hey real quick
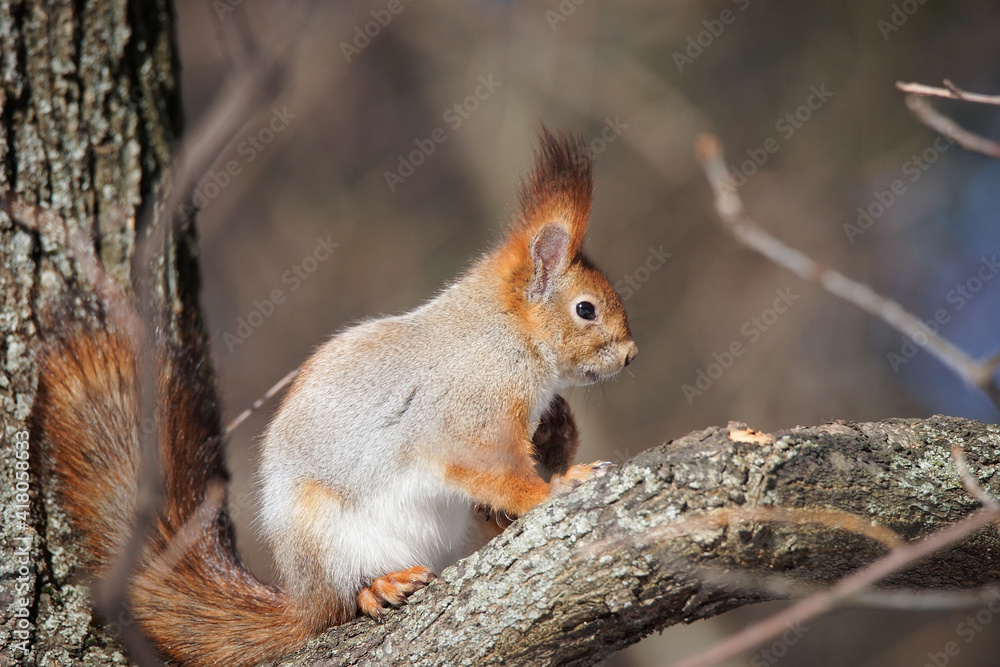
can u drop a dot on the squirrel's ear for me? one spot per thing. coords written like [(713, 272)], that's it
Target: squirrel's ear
[(550, 255), (558, 192)]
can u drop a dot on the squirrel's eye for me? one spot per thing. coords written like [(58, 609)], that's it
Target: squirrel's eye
[(586, 310)]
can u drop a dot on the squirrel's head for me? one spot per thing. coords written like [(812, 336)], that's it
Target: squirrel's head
[(568, 307)]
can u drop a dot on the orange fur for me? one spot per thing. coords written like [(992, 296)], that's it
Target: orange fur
[(514, 491), (315, 495), (205, 608), (500, 473), (559, 189), (392, 589)]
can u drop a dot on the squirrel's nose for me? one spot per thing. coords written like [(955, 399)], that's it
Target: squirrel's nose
[(630, 354)]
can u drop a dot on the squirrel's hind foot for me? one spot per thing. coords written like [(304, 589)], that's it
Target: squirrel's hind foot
[(581, 472), (392, 589)]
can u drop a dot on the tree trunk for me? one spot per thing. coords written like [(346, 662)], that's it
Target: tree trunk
[(89, 113)]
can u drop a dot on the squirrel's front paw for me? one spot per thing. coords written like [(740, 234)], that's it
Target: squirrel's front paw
[(556, 439), (392, 589), (577, 475)]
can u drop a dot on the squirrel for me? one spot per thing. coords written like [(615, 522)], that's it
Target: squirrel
[(398, 442)]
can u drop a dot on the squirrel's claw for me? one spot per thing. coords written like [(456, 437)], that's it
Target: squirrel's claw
[(392, 590), (601, 468), (563, 484)]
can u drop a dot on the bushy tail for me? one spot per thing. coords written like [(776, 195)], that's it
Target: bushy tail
[(190, 593)]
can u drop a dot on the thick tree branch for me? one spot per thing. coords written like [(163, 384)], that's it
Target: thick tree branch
[(591, 573)]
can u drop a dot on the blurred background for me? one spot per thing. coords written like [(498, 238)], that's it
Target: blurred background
[(331, 207)]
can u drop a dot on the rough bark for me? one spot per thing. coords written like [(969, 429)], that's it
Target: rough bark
[(593, 572), (89, 112)]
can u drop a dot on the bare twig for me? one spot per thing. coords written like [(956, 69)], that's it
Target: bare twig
[(972, 485), (924, 601), (955, 90), (238, 46), (853, 584), (940, 123), (727, 516), (193, 530), (917, 103), (257, 84), (240, 418), (950, 91), (261, 81), (784, 586), (729, 207)]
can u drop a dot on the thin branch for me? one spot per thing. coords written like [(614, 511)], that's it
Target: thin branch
[(48, 223), (785, 587), (950, 91), (725, 517), (972, 485), (193, 530), (945, 126), (729, 208), (242, 417), (237, 45), (235, 105), (955, 90), (853, 584), (924, 601), (260, 82)]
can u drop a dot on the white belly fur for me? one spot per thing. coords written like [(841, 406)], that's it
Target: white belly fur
[(417, 522)]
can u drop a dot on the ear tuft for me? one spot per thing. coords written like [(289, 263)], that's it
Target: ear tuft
[(559, 188), (550, 255)]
